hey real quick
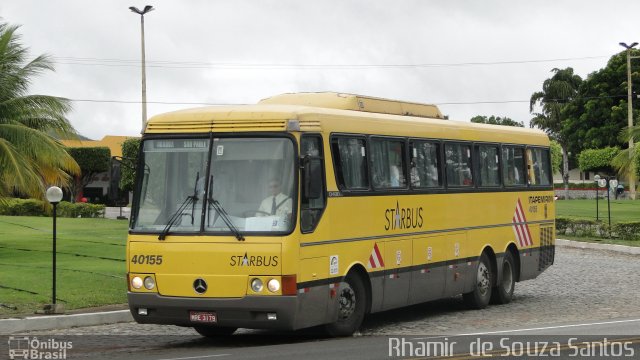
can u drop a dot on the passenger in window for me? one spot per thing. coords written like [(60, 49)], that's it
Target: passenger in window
[(466, 180), (396, 177), (277, 203), (394, 174)]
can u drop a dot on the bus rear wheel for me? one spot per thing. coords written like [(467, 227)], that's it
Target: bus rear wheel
[(214, 331), (481, 294), (352, 300), (503, 292)]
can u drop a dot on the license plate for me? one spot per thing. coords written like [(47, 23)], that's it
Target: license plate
[(202, 316)]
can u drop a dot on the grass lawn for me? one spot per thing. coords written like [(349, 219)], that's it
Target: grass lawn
[(90, 262), (621, 210)]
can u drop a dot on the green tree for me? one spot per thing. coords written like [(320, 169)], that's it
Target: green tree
[(556, 156), (30, 159), (130, 150), (557, 92), (599, 160), (496, 120), (598, 113), (624, 159), (92, 161)]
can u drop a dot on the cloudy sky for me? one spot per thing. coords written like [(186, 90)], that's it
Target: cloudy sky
[(470, 57)]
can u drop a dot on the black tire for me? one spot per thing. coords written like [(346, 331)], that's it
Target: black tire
[(503, 292), (483, 283), (352, 302), (215, 331)]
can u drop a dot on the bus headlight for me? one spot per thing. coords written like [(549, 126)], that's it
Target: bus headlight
[(136, 282), (256, 285), (273, 285), (149, 283)]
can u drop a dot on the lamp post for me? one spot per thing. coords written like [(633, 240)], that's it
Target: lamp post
[(597, 181), (144, 75), (632, 168), (54, 195)]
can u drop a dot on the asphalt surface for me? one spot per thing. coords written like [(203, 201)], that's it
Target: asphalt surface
[(587, 294)]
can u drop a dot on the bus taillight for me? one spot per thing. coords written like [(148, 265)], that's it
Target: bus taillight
[(289, 285)]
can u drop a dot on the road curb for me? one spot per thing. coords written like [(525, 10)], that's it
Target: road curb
[(609, 247), (49, 322)]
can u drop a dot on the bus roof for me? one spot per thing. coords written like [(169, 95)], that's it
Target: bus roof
[(337, 113)]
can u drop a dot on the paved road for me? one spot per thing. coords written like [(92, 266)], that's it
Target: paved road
[(586, 292)]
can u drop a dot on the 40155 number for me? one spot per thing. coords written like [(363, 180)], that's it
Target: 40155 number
[(147, 259)]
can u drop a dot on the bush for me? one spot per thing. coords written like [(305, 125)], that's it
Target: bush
[(597, 159), (590, 228), (627, 230), (32, 207), (85, 210)]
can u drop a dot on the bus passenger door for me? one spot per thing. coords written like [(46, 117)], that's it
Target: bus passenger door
[(397, 278)]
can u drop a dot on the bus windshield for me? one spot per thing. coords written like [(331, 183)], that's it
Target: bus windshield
[(249, 187)]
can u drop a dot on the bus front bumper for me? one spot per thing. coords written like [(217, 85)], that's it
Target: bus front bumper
[(254, 312)]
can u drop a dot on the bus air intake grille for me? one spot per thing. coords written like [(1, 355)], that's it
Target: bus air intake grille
[(249, 125), (547, 248)]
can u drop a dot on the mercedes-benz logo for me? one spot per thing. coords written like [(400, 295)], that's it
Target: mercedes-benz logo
[(200, 286)]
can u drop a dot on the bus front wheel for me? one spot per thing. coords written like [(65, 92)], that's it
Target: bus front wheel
[(351, 307), (214, 331), (480, 296), (503, 292)]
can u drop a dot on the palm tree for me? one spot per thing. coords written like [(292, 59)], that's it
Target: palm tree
[(30, 158), (556, 93), (626, 159)]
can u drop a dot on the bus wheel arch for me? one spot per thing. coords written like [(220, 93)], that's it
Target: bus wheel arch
[(351, 309)]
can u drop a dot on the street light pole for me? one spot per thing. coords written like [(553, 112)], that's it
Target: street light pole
[(54, 195), (632, 168), (144, 73)]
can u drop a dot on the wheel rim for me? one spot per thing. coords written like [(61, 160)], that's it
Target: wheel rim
[(484, 281), (347, 302), (507, 277)]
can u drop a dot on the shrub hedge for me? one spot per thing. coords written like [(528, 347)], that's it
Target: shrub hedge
[(33, 207), (583, 227)]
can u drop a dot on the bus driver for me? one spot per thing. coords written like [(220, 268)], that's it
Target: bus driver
[(277, 203)]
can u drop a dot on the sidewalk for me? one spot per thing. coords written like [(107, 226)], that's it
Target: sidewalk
[(633, 250), (109, 314), (119, 313)]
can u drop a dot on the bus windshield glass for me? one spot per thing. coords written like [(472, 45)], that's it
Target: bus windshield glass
[(249, 187)]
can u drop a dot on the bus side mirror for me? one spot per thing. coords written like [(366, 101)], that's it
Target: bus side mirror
[(312, 177)]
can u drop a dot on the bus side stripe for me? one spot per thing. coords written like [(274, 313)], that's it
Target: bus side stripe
[(430, 232)]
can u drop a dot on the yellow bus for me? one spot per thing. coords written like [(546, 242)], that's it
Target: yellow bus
[(319, 208)]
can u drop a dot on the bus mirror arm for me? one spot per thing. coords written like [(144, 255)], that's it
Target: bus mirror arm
[(312, 175)]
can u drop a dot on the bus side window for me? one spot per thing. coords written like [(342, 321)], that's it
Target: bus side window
[(539, 166), (458, 163), (513, 166), (489, 164), (388, 165), (350, 163), (311, 209), (425, 164)]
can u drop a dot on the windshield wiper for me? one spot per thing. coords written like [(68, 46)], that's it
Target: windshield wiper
[(222, 212), (190, 200)]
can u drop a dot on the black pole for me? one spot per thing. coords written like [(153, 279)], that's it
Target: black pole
[(609, 205), (53, 300), (597, 211)]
